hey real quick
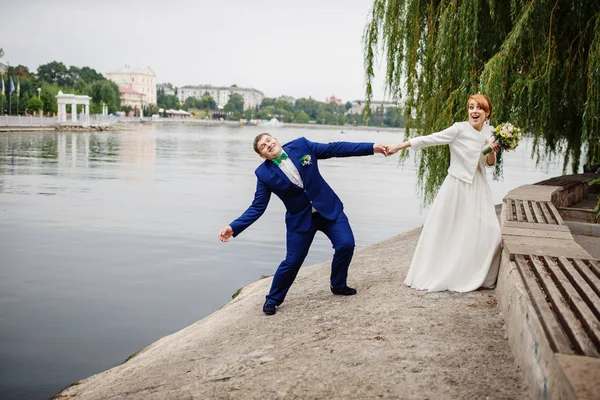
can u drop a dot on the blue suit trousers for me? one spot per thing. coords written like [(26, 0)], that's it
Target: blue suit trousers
[(298, 244)]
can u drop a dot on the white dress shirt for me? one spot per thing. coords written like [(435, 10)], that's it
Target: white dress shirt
[(290, 170)]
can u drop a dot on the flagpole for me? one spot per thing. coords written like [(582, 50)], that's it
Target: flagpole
[(2, 94), (18, 93), (10, 104)]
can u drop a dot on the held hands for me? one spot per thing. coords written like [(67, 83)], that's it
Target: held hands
[(394, 148), (226, 233), (381, 149)]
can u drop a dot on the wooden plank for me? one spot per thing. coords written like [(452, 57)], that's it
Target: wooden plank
[(533, 192), (527, 225), (555, 214), (539, 233), (567, 319), (594, 267), (559, 342), (528, 214), (518, 206), (544, 247), (547, 215), (509, 210), (588, 275), (586, 319), (538, 213), (588, 294)]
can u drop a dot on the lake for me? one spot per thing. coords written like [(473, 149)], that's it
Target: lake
[(108, 240)]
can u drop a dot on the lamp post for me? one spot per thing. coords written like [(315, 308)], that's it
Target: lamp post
[(39, 90)]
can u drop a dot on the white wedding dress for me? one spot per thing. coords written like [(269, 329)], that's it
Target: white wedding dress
[(459, 247)]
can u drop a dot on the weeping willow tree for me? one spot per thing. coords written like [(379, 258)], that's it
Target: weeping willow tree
[(537, 60)]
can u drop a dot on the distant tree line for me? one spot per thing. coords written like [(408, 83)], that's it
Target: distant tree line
[(53, 77), (303, 111)]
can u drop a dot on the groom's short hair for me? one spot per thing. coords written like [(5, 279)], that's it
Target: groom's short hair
[(257, 139)]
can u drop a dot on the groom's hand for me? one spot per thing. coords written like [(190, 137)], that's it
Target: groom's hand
[(226, 233), (381, 149)]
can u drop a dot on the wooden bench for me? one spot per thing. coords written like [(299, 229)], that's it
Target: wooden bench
[(566, 296), (536, 227), (549, 291)]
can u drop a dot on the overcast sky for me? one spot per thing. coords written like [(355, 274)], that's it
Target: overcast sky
[(300, 48)]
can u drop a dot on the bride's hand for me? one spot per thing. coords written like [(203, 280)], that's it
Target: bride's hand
[(393, 149)]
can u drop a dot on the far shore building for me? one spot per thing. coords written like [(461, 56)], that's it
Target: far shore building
[(142, 81), (379, 107), (166, 88), (333, 99), (3, 68), (131, 97), (252, 97), (289, 99)]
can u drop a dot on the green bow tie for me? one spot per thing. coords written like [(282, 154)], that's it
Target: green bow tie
[(282, 157)]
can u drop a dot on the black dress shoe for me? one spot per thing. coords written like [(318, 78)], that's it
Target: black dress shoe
[(345, 291), (269, 308)]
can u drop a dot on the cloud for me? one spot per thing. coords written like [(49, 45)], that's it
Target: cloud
[(304, 49)]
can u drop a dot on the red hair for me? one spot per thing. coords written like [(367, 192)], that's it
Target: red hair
[(483, 101)]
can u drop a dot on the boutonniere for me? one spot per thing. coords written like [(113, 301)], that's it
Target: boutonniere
[(306, 160)]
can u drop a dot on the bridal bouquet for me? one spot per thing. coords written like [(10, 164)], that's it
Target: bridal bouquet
[(507, 135)]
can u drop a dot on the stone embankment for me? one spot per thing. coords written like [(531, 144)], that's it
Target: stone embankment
[(388, 341), (91, 128)]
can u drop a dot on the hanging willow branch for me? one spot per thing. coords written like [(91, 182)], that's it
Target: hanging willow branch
[(537, 60)]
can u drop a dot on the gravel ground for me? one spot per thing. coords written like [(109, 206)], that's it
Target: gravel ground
[(388, 341)]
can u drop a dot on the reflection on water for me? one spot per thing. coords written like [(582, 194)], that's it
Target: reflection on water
[(108, 240)]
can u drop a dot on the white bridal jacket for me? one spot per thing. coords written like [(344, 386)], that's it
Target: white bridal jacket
[(466, 145)]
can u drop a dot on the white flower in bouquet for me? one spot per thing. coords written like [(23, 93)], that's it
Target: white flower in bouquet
[(507, 135)]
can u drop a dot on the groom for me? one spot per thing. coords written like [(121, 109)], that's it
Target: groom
[(292, 173)]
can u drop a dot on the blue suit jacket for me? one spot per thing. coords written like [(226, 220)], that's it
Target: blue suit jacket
[(299, 202)]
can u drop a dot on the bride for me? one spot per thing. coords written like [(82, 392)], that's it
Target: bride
[(459, 247)]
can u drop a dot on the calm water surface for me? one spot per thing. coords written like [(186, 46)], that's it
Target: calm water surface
[(108, 241)]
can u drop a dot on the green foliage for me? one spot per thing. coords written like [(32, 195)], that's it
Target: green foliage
[(35, 104), (48, 95), (53, 72), (18, 71), (309, 106), (266, 102), (204, 103), (301, 118), (168, 102), (250, 113), (235, 104), (208, 103), (537, 60), (102, 92), (57, 72)]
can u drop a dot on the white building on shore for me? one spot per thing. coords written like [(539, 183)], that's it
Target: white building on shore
[(140, 80), (220, 94), (379, 107)]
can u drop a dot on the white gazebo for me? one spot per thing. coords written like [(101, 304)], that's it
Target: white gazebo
[(63, 99)]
